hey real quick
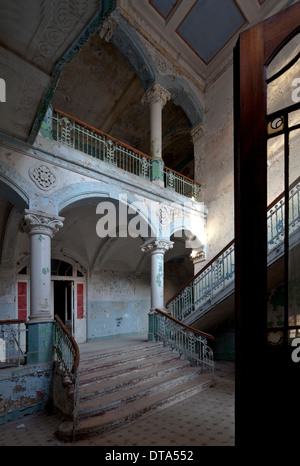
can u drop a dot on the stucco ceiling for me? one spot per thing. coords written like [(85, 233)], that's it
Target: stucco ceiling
[(37, 38)]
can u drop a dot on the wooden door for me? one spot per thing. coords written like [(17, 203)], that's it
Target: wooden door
[(268, 379)]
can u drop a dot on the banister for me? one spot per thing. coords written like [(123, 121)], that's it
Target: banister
[(278, 198), (73, 342), (121, 143), (282, 194), (187, 327), (183, 176), (200, 272), (96, 130)]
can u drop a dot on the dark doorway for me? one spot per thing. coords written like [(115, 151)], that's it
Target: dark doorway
[(63, 302)]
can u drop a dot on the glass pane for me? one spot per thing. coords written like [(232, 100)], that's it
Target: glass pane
[(294, 118), (284, 57), (294, 230), (280, 91), (275, 160)]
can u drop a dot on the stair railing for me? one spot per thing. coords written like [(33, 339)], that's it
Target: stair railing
[(216, 279), (189, 342), (66, 353), (12, 343)]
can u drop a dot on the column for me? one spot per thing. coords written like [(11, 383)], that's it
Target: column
[(157, 249), (156, 97), (41, 227)]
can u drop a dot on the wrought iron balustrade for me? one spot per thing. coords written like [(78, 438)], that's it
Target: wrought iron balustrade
[(217, 277), (66, 353), (189, 342), (12, 343), (181, 184), (83, 137)]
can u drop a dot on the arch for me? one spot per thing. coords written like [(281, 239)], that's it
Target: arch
[(127, 41), (91, 194), (14, 188), (193, 236)]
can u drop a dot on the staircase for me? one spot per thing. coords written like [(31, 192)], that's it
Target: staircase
[(121, 386), (215, 282)]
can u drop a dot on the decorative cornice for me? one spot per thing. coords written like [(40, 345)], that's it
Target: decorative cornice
[(156, 94), (41, 223), (157, 246)]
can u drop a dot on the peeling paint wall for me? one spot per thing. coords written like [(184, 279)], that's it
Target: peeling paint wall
[(24, 390), (214, 164), (118, 304)]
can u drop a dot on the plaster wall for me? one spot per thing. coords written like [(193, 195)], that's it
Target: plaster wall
[(24, 390), (214, 164), (118, 304)]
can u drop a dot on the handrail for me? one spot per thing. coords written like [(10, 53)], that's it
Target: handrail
[(277, 199), (214, 259), (100, 145), (96, 130), (92, 128), (73, 342), (187, 327), (183, 176), (200, 272)]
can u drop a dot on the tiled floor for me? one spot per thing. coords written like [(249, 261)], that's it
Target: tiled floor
[(206, 419)]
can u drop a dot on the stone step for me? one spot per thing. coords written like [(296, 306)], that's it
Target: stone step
[(104, 362), (111, 420), (88, 359), (128, 379), (116, 370), (101, 404), (118, 387)]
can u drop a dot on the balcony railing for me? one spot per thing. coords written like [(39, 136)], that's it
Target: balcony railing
[(216, 279), (85, 138), (12, 343)]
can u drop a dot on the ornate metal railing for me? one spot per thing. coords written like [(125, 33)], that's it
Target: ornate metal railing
[(189, 342), (181, 184), (85, 138), (276, 216), (217, 277), (12, 343), (66, 353)]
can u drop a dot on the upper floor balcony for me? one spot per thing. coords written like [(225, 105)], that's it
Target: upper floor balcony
[(69, 131)]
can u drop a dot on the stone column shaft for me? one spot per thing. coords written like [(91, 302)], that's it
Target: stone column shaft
[(157, 249), (41, 227), (156, 97)]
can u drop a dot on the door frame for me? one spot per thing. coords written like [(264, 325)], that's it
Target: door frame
[(261, 380)]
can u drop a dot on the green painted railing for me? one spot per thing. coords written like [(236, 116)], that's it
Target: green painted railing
[(85, 138), (216, 279), (189, 342)]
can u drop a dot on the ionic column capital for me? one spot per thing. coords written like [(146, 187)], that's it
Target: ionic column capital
[(36, 222), (157, 246), (156, 94)]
